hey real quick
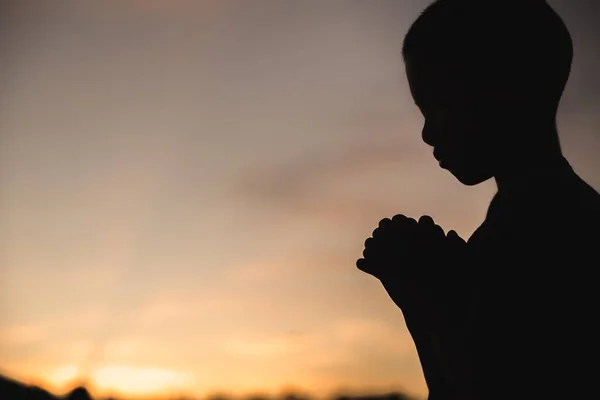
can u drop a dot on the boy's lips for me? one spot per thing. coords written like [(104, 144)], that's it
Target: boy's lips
[(438, 154), (441, 157)]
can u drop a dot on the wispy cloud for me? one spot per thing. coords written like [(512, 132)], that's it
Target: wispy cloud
[(295, 177), (140, 380), (278, 346), (19, 335)]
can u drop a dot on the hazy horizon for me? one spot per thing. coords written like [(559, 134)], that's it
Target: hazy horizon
[(185, 187)]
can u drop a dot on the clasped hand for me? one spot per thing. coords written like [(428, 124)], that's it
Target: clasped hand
[(425, 272), (402, 248)]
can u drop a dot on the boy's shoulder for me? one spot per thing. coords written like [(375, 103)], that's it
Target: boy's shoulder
[(539, 215), (567, 200)]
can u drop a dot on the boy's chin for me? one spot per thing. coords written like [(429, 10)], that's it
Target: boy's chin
[(469, 177)]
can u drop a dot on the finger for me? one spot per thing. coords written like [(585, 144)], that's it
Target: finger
[(377, 233), (426, 220), (383, 227), (439, 231), (426, 235), (429, 228), (370, 250), (404, 222), (404, 227), (365, 266), (362, 264), (385, 222), (399, 218), (453, 236)]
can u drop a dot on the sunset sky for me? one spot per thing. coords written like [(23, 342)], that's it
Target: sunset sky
[(185, 187)]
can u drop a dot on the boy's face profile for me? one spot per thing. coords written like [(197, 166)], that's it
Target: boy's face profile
[(455, 125)]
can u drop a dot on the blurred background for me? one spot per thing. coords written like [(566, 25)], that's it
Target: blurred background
[(185, 187)]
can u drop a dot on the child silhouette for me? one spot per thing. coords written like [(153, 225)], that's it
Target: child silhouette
[(510, 313)]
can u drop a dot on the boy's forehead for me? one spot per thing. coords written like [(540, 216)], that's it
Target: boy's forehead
[(422, 70), (428, 79), (437, 82)]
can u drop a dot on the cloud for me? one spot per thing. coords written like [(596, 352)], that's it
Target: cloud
[(179, 306), (367, 352), (257, 271), (63, 375), (132, 348), (162, 8), (286, 345), (139, 380), (21, 335), (168, 6), (294, 178), (294, 264), (334, 343), (363, 351), (360, 331)]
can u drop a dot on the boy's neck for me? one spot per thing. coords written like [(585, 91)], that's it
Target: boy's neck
[(526, 165)]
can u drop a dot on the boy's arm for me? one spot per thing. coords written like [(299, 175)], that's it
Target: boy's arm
[(428, 333), (437, 384), (430, 306), (415, 262)]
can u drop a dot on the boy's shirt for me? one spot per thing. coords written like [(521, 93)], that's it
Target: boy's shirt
[(534, 305)]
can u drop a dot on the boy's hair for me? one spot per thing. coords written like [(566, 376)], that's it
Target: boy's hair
[(520, 43)]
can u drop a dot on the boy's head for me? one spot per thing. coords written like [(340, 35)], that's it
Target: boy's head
[(488, 77)]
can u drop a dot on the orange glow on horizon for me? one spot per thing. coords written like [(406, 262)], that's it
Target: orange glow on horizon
[(136, 382), (122, 380)]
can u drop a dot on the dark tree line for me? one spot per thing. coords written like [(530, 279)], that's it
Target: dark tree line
[(14, 390)]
